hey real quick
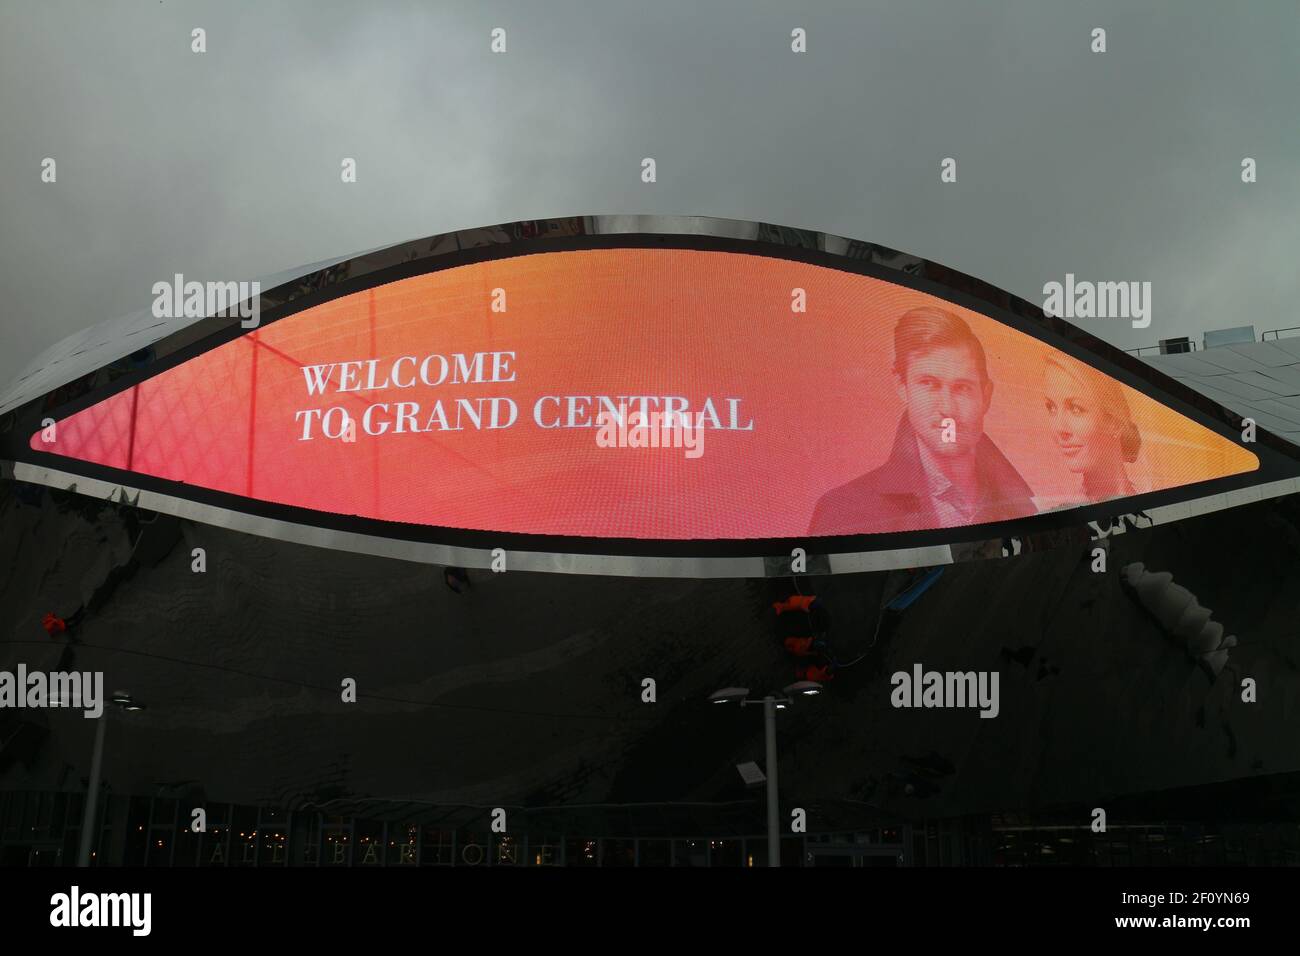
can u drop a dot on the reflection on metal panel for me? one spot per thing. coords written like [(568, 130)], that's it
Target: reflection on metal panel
[(624, 565)]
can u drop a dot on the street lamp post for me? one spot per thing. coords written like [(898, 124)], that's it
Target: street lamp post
[(771, 704), (92, 794), (122, 701), (773, 828)]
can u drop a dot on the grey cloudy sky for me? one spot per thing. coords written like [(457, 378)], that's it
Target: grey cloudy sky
[(1115, 166)]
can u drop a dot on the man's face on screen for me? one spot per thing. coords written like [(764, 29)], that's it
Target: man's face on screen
[(945, 383)]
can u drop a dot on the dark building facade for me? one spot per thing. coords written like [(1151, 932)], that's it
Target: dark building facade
[(525, 694)]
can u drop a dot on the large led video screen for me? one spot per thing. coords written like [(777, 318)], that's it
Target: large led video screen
[(648, 393)]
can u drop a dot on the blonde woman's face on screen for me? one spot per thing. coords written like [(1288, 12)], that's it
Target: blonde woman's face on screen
[(1084, 435)]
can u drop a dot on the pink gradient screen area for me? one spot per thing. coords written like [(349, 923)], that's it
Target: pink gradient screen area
[(507, 396)]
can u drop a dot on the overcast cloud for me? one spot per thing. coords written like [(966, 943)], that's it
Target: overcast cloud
[(1115, 166)]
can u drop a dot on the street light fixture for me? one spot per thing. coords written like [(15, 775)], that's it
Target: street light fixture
[(126, 702), (771, 704), (729, 694)]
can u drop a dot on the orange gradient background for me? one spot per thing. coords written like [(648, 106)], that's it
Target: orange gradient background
[(818, 386)]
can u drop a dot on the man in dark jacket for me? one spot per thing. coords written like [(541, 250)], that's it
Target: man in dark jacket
[(943, 471)]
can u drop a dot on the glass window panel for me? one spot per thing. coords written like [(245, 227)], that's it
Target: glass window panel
[(725, 852), (214, 845), (137, 819), (618, 853), (473, 848), (581, 851), (690, 853), (158, 850), (336, 847), (403, 847), (369, 849), (187, 844), (164, 811), (437, 846), (792, 852), (273, 842), (545, 850), (59, 814), (507, 850), (243, 841), (655, 852)]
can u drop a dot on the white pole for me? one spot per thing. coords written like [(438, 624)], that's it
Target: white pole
[(773, 830), (92, 795)]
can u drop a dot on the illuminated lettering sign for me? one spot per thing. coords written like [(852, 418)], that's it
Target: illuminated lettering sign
[(658, 394)]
